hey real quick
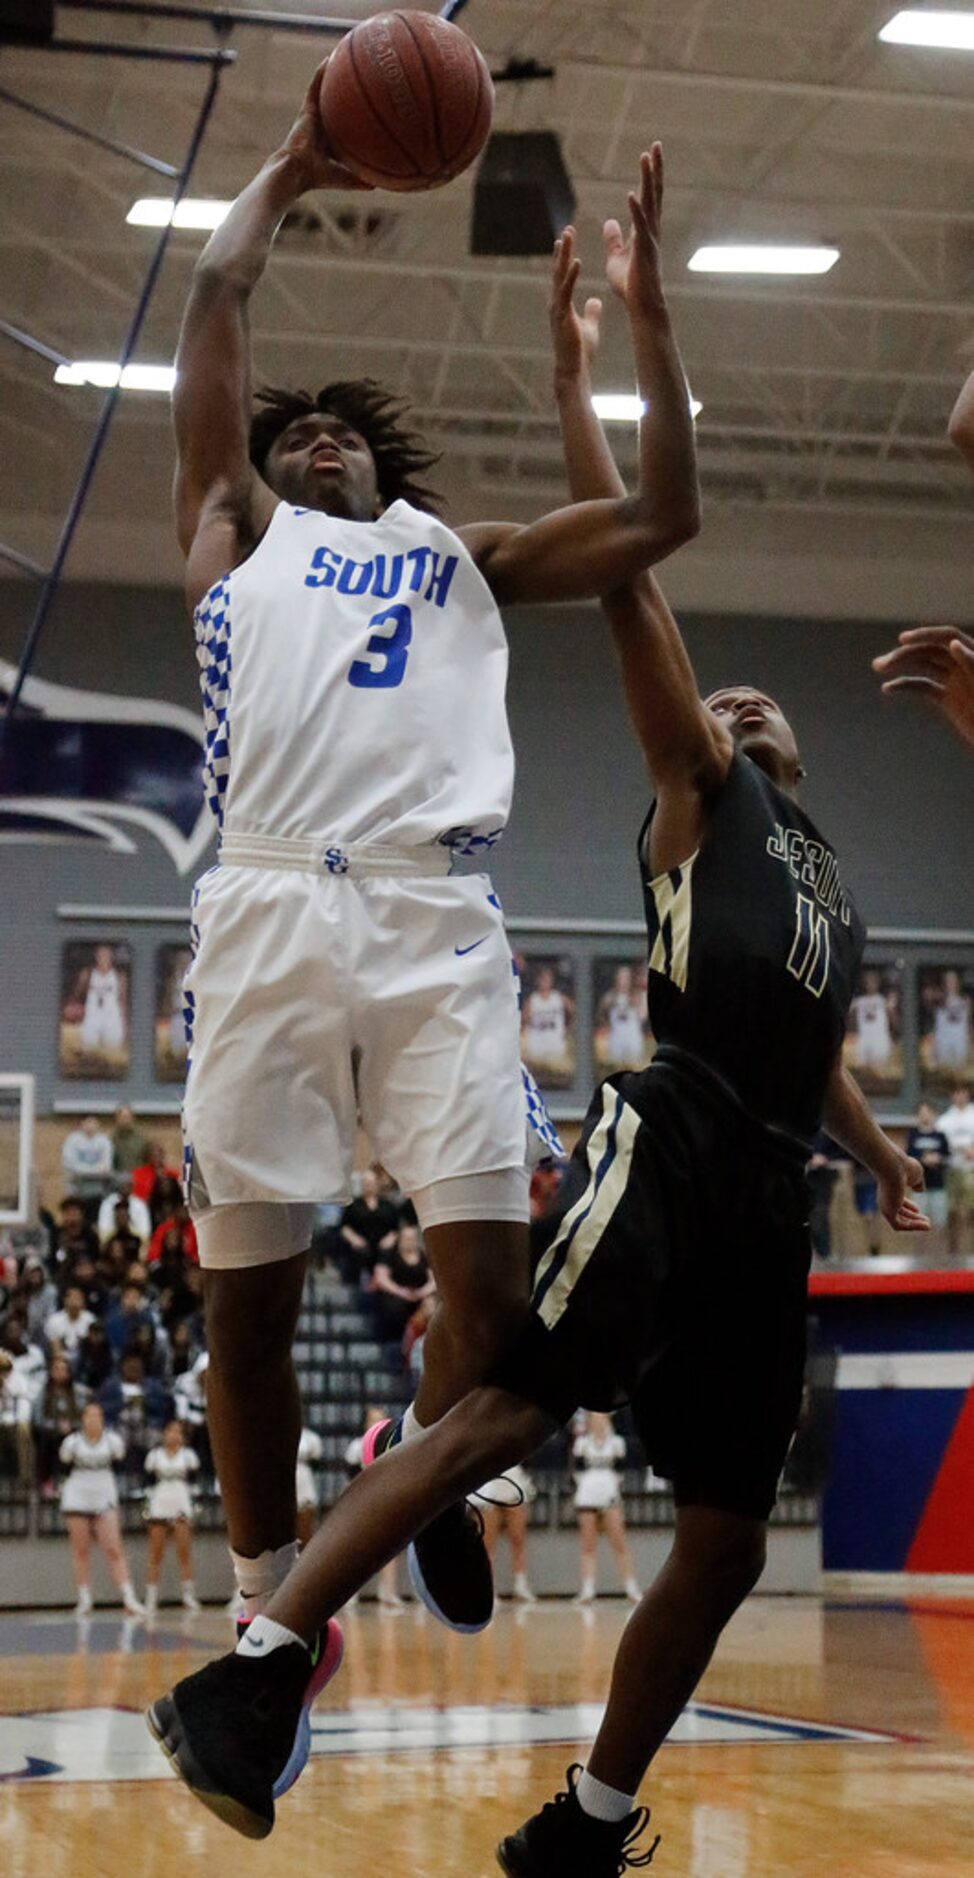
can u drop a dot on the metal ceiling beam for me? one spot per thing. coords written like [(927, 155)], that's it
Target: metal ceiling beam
[(735, 83)]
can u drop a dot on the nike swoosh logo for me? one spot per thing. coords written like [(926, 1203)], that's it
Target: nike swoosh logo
[(461, 951), (256, 1643)]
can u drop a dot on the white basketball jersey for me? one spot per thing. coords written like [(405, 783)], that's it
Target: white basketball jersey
[(102, 990), (353, 678), (546, 1016)]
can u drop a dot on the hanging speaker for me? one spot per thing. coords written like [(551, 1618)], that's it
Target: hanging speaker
[(26, 22), (523, 195)]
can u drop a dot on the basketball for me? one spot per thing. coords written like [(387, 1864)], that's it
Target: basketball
[(406, 101)]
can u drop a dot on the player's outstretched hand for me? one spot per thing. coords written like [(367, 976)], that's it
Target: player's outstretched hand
[(307, 144), (898, 1209), (574, 335), (632, 264), (936, 664)]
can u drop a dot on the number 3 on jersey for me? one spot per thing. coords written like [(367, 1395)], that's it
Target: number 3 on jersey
[(810, 955), (386, 651)]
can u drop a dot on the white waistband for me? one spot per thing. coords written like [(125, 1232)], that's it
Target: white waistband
[(317, 857)]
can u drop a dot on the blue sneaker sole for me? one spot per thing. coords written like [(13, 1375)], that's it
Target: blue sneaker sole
[(300, 1753), (426, 1597)]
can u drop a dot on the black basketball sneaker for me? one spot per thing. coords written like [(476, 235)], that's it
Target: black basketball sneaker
[(230, 1732), (562, 1839), (448, 1564)]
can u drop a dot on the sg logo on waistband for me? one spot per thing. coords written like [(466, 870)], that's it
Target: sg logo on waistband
[(336, 861)]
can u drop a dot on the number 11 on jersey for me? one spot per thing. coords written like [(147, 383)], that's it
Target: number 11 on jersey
[(810, 955)]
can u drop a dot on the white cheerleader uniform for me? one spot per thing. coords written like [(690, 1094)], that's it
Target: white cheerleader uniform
[(90, 1486), (598, 1485), (170, 1498), (309, 1449), (353, 678), (103, 1026)]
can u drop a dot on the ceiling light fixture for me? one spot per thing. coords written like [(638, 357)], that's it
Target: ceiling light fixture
[(206, 212), (105, 373), (626, 407), (762, 258), (946, 32)]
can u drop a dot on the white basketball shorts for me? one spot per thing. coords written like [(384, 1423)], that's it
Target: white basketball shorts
[(316, 998)]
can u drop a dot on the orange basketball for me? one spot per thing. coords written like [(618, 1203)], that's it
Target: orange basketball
[(406, 100)]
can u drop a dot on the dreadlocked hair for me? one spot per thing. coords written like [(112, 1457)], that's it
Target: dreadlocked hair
[(401, 456)]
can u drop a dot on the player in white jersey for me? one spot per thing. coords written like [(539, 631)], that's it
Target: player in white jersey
[(103, 1024), (353, 664), (544, 1021), (952, 1025), (870, 1012)]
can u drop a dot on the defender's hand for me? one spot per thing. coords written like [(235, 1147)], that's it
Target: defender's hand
[(307, 145), (574, 335), (898, 1210), (936, 664), (632, 263)]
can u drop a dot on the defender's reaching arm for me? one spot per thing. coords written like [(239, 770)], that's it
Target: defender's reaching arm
[(960, 430), (608, 536), (686, 749)]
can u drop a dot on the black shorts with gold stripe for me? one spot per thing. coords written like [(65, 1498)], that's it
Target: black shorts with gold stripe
[(674, 1278)]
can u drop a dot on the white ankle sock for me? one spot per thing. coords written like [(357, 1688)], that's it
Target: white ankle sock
[(258, 1578), (264, 1636), (409, 1427), (602, 1802)]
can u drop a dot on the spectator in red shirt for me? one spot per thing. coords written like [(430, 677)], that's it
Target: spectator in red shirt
[(175, 1233)]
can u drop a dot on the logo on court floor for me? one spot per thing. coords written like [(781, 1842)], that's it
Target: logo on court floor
[(114, 1744)]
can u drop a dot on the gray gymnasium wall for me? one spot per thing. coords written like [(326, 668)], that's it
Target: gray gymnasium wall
[(888, 785)]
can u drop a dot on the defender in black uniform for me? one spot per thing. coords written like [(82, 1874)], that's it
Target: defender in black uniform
[(675, 1278)]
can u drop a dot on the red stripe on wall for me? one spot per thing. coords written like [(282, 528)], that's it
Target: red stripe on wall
[(944, 1540), (877, 1284)]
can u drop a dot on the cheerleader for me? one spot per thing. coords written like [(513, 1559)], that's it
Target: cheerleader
[(170, 1514), (306, 1486), (598, 1503), (503, 1504), (89, 1502)]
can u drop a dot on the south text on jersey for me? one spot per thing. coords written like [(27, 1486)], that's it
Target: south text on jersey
[(419, 571)]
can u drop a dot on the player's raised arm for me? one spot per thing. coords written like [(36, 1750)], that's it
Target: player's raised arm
[(222, 505), (960, 430), (584, 551), (680, 739)]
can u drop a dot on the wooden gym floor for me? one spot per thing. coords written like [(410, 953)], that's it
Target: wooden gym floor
[(827, 1738)]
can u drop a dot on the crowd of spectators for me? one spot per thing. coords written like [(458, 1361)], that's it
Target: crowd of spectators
[(107, 1308)]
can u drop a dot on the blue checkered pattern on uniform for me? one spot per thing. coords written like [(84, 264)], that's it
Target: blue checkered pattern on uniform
[(544, 1141), (212, 622)]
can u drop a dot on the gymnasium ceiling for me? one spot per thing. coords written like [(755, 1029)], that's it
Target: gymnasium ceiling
[(781, 119)]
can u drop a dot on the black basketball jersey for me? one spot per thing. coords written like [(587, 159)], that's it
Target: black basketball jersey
[(754, 950)]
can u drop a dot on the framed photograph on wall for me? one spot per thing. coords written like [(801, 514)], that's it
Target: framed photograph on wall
[(873, 1048), (95, 1007), (171, 1043), (945, 1006), (548, 1018), (621, 1036)]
